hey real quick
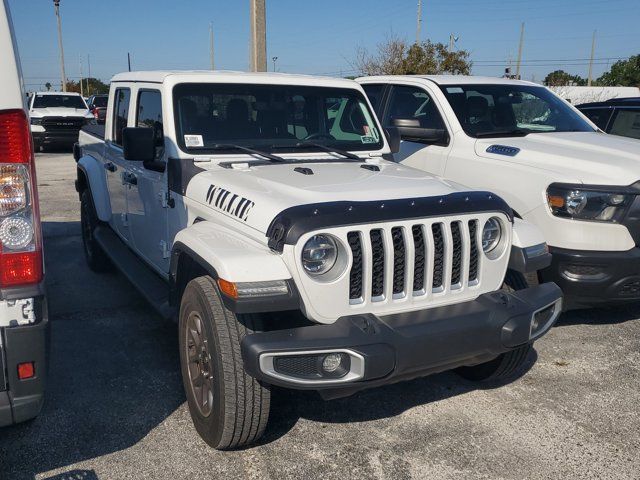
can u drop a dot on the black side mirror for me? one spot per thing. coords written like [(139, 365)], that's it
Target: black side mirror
[(139, 144), (410, 129), (393, 137)]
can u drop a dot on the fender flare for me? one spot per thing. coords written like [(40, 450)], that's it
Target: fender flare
[(207, 248), (529, 250), (90, 175)]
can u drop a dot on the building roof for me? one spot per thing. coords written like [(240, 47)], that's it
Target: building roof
[(57, 93)]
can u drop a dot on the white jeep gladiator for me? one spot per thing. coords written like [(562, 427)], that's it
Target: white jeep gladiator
[(554, 167), (259, 211), (24, 322)]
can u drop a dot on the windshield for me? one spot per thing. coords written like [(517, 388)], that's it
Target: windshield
[(272, 117), (64, 101), (100, 102), (509, 110)]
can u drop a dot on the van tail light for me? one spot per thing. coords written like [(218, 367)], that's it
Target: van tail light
[(20, 234)]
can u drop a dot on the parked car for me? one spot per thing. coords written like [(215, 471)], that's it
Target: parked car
[(57, 117), (291, 252), (98, 106), (23, 306), (620, 116), (540, 154)]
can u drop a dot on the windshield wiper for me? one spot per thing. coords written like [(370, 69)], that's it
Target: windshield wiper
[(253, 151), (503, 133), (344, 153)]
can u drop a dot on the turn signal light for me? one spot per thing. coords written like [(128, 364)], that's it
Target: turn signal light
[(26, 370), (228, 288)]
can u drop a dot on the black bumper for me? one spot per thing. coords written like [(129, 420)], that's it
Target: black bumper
[(53, 137), (590, 278), (413, 344), (21, 400)]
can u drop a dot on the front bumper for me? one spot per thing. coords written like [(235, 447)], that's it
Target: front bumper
[(407, 345), (52, 137), (21, 400), (592, 278)]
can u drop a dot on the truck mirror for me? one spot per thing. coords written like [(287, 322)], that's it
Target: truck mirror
[(410, 130), (393, 137), (139, 144)]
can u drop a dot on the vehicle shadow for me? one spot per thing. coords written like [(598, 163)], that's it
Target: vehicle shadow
[(288, 406), (600, 316)]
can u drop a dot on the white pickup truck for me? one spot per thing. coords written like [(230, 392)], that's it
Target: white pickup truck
[(24, 322), (553, 166), (258, 211)]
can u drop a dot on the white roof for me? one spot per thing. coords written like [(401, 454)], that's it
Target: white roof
[(76, 94), (452, 79), (176, 76)]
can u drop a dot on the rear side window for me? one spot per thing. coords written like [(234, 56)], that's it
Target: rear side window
[(599, 116), (375, 92), (626, 123), (120, 113)]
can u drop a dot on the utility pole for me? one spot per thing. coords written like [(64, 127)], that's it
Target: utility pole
[(593, 51), (129, 61), (88, 74), (452, 42), (258, 61), (275, 59), (520, 52), (63, 76), (419, 22), (211, 45), (81, 81)]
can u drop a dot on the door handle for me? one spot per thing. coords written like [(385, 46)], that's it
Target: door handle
[(129, 178), (110, 166)]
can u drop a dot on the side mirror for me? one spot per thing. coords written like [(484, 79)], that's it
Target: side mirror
[(139, 144), (393, 137), (411, 130)]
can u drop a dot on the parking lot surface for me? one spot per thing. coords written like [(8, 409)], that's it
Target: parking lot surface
[(115, 406)]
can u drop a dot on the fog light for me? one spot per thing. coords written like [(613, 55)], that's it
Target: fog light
[(332, 362)]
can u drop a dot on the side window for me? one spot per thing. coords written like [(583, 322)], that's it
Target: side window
[(414, 103), (375, 92), (599, 116), (120, 113), (149, 113), (626, 123)]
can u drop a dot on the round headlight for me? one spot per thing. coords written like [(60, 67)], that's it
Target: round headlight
[(491, 234), (319, 254)]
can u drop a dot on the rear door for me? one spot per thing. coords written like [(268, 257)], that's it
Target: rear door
[(147, 187), (115, 164)]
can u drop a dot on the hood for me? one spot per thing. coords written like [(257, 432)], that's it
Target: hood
[(257, 194), (582, 157), (60, 112)]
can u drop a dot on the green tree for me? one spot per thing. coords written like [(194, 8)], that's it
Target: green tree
[(560, 78), (395, 57), (624, 73), (47, 86)]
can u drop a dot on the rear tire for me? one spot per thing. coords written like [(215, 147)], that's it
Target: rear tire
[(229, 408), (93, 252)]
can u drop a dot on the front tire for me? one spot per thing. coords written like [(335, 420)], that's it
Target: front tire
[(229, 408), (93, 252)]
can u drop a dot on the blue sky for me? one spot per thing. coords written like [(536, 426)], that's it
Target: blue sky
[(318, 37)]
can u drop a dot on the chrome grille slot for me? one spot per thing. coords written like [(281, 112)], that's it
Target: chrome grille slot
[(419, 262), (473, 251), (399, 260), (438, 257), (355, 276), (378, 259), (456, 255)]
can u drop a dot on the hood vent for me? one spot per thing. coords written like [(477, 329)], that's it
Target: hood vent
[(303, 170), (503, 150)]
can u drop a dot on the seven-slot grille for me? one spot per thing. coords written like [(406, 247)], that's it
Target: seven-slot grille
[(418, 260)]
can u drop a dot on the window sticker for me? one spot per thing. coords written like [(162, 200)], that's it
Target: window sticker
[(193, 141), (454, 90), (367, 139)]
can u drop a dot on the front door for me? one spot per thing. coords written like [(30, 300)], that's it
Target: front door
[(147, 188), (115, 164)]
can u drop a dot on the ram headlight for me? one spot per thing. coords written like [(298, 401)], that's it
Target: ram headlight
[(36, 120), (319, 254), (491, 234), (583, 203)]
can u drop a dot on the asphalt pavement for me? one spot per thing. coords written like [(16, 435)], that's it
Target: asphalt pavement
[(115, 407)]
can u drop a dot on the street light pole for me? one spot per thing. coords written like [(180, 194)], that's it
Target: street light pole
[(56, 5), (274, 62)]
